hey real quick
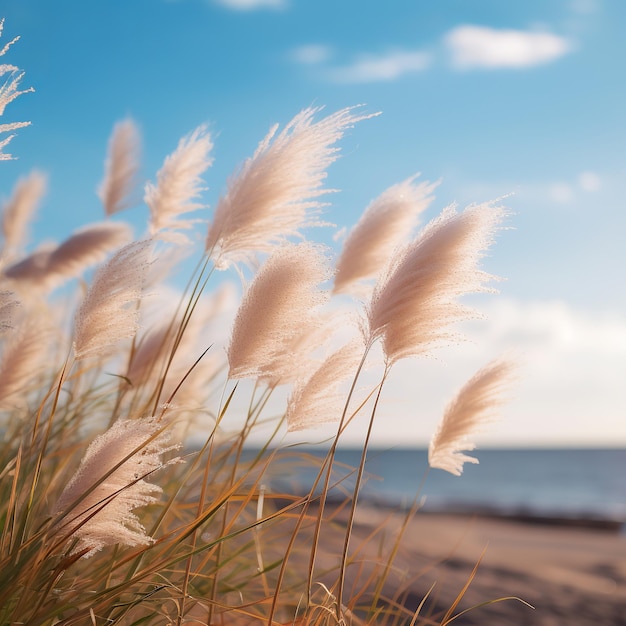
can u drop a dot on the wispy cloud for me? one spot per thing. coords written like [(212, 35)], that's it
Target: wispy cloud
[(566, 192), (251, 5), (363, 68), (312, 54), (484, 47)]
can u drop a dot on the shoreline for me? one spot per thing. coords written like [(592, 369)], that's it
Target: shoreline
[(571, 574)]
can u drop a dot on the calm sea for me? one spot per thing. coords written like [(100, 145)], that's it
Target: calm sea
[(563, 483)]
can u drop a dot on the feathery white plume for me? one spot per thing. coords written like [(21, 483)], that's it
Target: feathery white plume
[(97, 504), (8, 305), (108, 313), (280, 305), (386, 223), (319, 399), (50, 266), (178, 184), (121, 168), (274, 194), (473, 406), (415, 300), (18, 210), (8, 92), (24, 357)]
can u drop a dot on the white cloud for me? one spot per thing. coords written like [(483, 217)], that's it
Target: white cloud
[(585, 7), (484, 47), (251, 5), (384, 67), (569, 389), (589, 181), (562, 193), (312, 54)]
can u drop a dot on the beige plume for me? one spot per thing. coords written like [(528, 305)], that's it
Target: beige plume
[(50, 266), (473, 406), (415, 301), (280, 305), (108, 312), (122, 166), (96, 507), (8, 305), (18, 211), (319, 399), (387, 223), (178, 184), (274, 194), (8, 92), (24, 357)]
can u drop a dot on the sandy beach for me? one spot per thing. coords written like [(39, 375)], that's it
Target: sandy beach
[(572, 575)]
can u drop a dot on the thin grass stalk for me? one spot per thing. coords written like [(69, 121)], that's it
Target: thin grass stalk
[(254, 412), (447, 618), (189, 309), (302, 516), (396, 545), (355, 496), (419, 608), (330, 461), (8, 531), (208, 445)]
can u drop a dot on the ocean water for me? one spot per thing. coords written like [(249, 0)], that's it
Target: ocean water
[(560, 483)]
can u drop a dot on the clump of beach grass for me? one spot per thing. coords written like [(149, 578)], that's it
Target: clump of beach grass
[(109, 512)]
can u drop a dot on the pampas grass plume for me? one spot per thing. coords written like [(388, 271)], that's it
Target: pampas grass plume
[(121, 168), (105, 317), (473, 406), (415, 301), (51, 265), (96, 506), (318, 400), (274, 194), (178, 184), (8, 92), (279, 306), (385, 224), (8, 305), (18, 210), (23, 360)]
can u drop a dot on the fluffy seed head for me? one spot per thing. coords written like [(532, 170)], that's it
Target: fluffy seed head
[(179, 182), (121, 168), (274, 194), (96, 507), (473, 406), (318, 399), (387, 222), (108, 313), (50, 265), (280, 306), (18, 210), (415, 300), (8, 92)]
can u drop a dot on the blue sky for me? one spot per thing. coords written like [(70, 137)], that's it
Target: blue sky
[(492, 97)]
